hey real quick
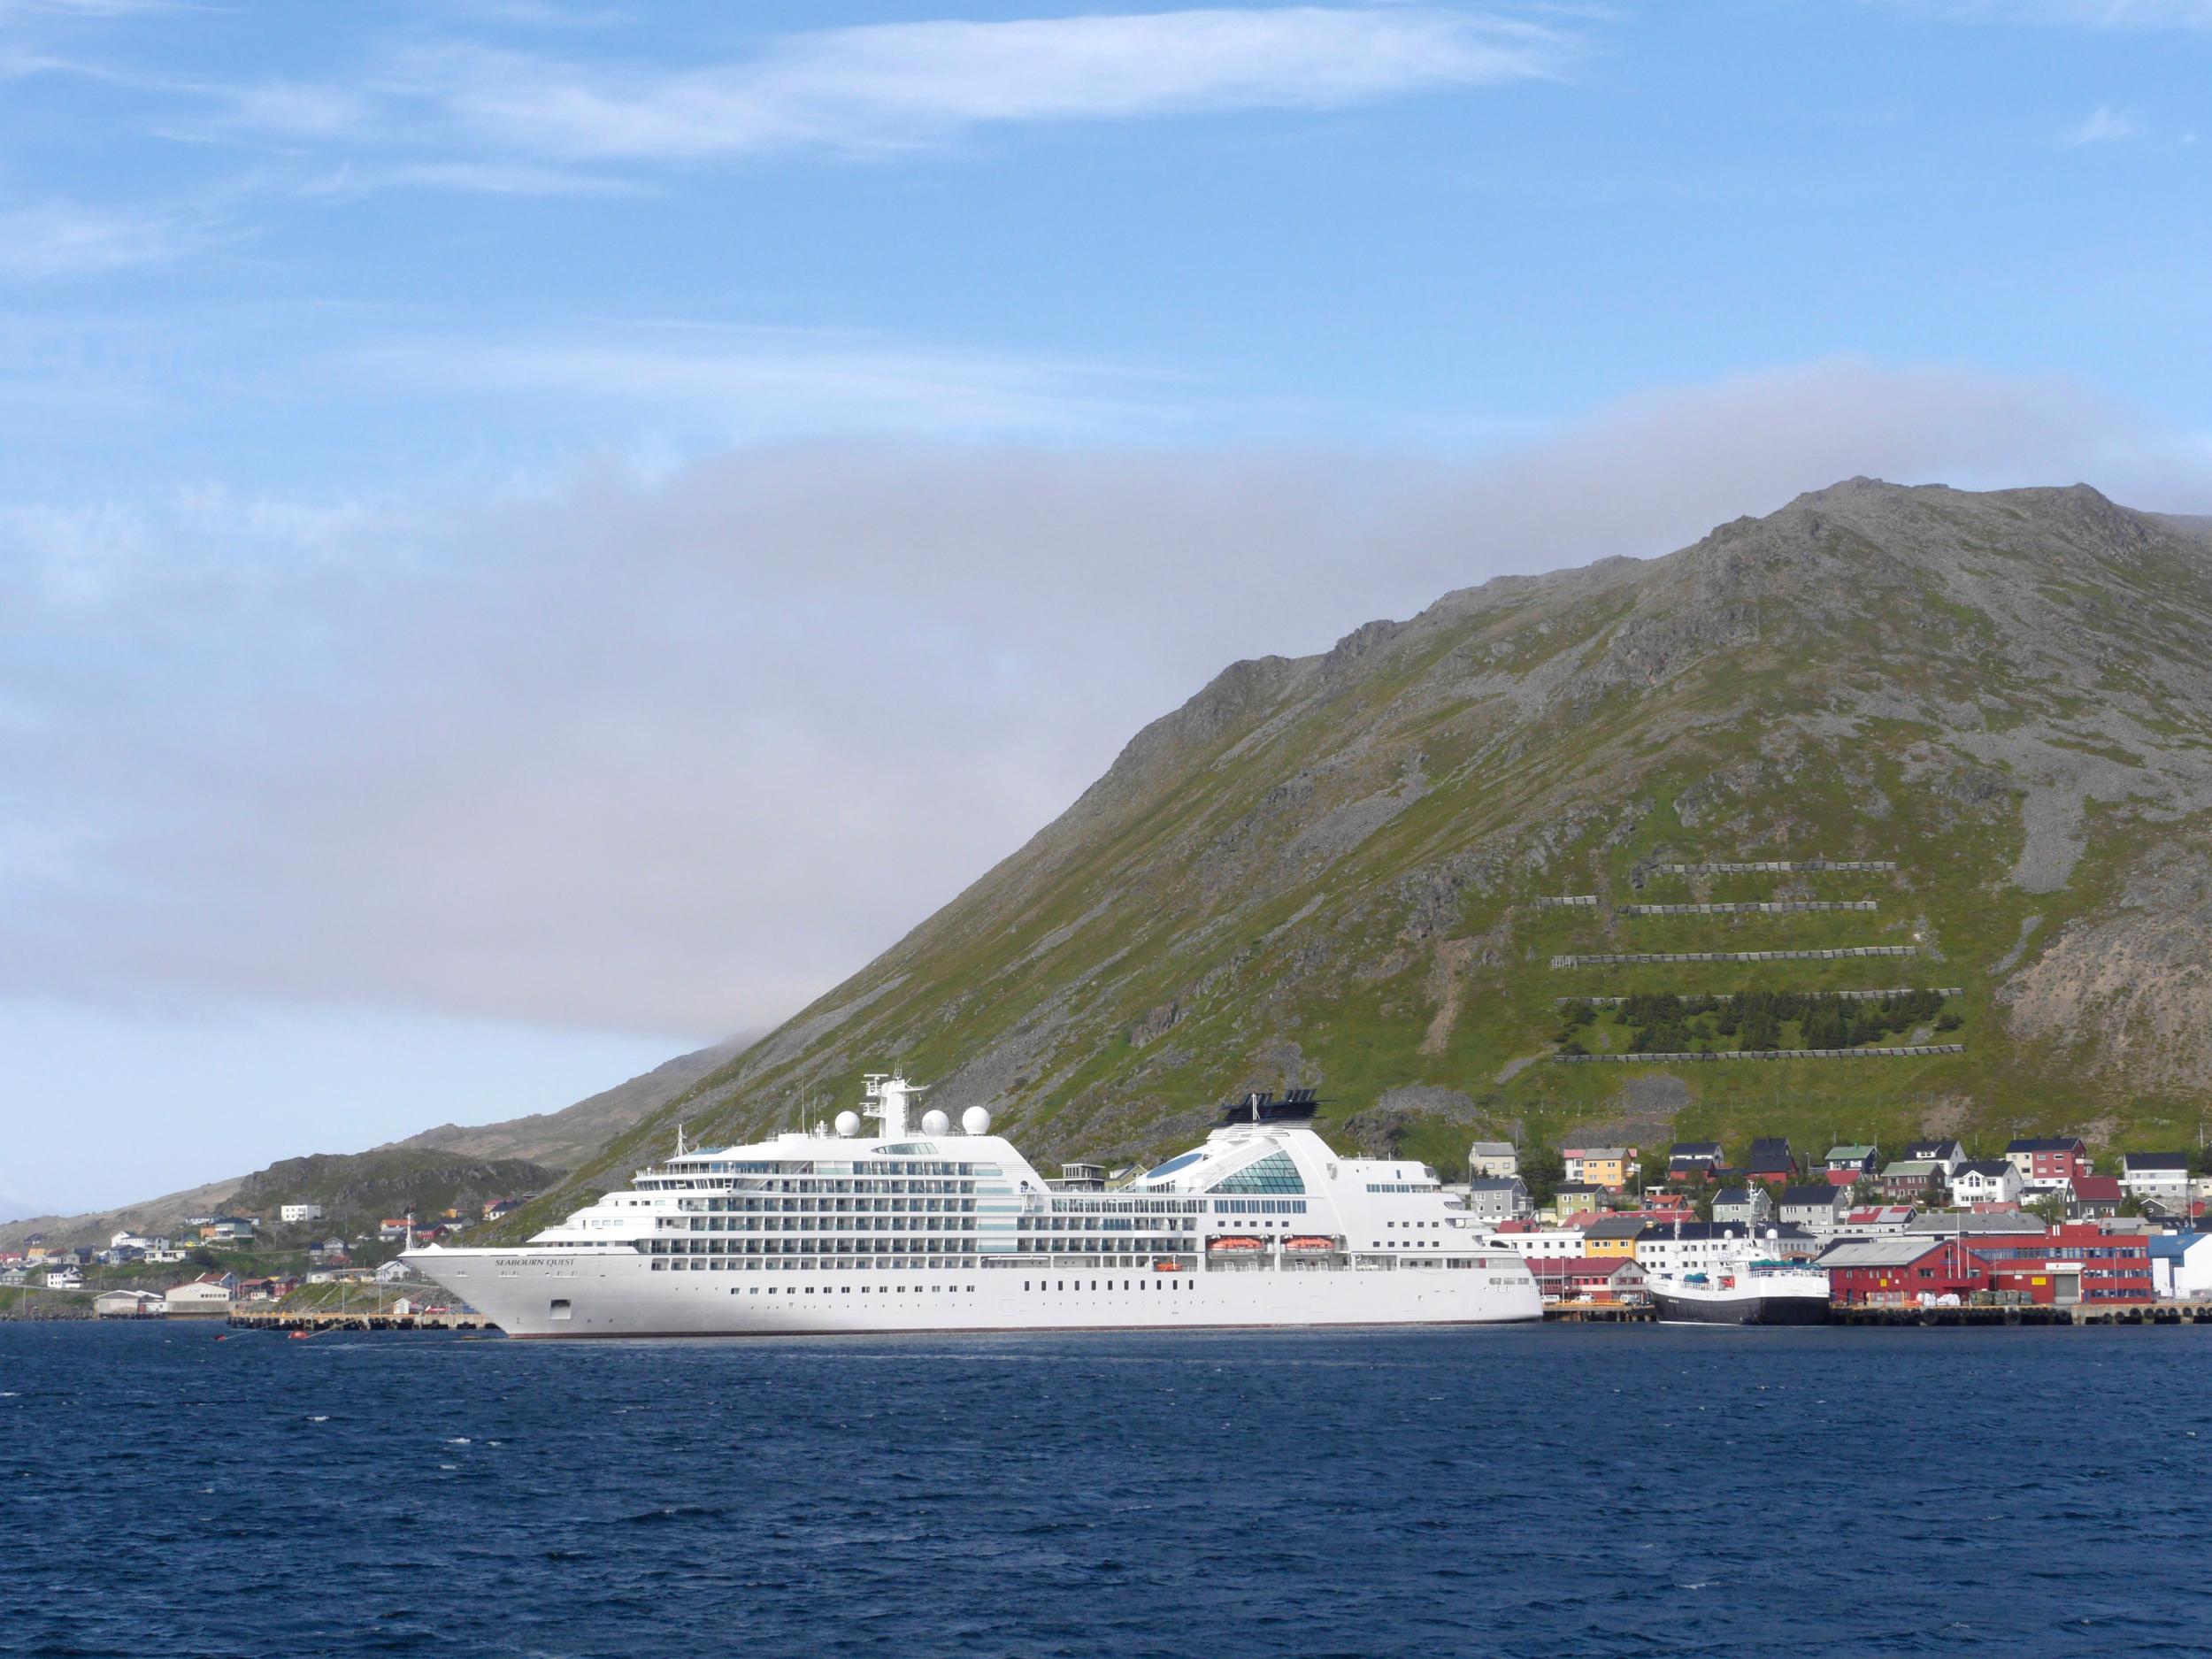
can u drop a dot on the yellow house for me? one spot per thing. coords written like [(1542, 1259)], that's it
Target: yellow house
[(1613, 1237), (1608, 1167)]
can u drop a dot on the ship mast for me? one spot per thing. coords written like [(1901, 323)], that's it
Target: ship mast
[(885, 1099)]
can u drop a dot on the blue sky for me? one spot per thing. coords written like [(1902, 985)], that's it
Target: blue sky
[(532, 536)]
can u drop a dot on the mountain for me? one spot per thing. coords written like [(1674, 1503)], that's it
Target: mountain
[(359, 1189), (497, 1160), (1331, 871), (567, 1139)]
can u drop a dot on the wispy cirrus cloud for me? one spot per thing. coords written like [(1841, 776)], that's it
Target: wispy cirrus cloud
[(458, 111), (897, 85), (2101, 126), (2106, 14), (59, 238), (769, 381)]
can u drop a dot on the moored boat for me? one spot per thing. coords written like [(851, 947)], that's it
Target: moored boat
[(931, 1227)]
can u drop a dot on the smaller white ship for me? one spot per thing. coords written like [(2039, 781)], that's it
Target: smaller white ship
[(1748, 1290)]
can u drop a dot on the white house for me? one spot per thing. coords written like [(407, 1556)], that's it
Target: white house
[(1492, 1161), (1987, 1181), (2163, 1176), (394, 1272), (2181, 1266), (291, 1213), (1751, 1205), (126, 1304), (209, 1294), (1949, 1153), (1544, 1242)]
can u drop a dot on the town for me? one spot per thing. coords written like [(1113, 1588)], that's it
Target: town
[(230, 1265), (1934, 1228)]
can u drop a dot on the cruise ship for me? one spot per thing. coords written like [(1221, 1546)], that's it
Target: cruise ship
[(931, 1227)]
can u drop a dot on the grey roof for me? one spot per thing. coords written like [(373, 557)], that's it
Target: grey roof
[(1939, 1221), (1851, 1155), (1694, 1149), (2045, 1143), (1904, 1167), (1732, 1195), (1824, 1195), (1901, 1251), (1932, 1148), (1616, 1228), (1493, 1149), (1497, 1184), (1987, 1167)]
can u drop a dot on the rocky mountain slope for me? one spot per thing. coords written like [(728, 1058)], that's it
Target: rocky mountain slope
[(569, 1138), (1330, 870)]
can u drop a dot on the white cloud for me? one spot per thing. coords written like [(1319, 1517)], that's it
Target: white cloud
[(57, 239), (2110, 14), (749, 383), (2101, 126), (898, 84), (673, 757)]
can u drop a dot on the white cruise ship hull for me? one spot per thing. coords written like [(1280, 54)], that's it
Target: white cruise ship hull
[(544, 1293)]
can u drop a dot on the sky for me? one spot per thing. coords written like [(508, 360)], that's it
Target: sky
[(535, 536)]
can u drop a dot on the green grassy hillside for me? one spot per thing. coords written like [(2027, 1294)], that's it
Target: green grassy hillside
[(1328, 871), (356, 1190)]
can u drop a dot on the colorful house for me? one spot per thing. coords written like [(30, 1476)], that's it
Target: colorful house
[(1772, 1164), (1850, 1164), (2048, 1163), (1610, 1167)]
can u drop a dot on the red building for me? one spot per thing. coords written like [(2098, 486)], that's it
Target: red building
[(2110, 1268), (2115, 1267), (1588, 1278), (1900, 1269)]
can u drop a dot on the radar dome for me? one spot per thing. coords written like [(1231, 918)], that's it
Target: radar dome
[(848, 1123), (976, 1121), (935, 1122)]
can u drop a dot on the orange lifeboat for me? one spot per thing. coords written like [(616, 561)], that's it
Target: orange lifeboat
[(1166, 1266), (1232, 1245), (1309, 1243)]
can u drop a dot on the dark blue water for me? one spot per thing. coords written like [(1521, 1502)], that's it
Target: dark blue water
[(1533, 1492)]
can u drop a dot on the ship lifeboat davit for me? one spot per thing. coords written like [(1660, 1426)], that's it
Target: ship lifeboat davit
[(1310, 1243), (1233, 1246)]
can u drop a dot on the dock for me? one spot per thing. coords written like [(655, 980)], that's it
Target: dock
[(316, 1321), (1859, 1315)]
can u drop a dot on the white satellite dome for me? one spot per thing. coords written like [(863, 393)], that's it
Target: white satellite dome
[(976, 1121), (848, 1123), (935, 1122)]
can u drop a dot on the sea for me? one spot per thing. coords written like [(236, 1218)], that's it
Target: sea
[(171, 1490)]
